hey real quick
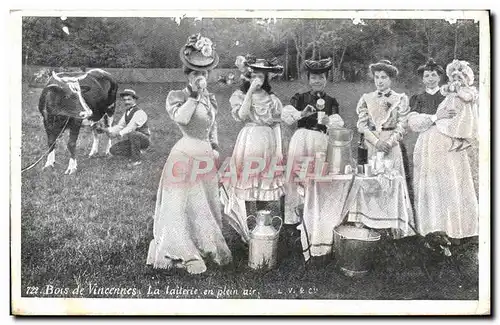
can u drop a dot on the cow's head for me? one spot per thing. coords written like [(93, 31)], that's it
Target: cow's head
[(70, 91)]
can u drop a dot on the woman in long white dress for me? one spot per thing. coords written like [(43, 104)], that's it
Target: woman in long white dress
[(188, 217), (445, 199), (258, 144)]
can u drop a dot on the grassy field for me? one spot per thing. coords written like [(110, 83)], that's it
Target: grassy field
[(92, 229)]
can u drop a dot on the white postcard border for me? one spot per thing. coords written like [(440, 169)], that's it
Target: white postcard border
[(101, 306)]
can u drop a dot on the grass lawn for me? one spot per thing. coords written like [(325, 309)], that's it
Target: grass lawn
[(92, 229)]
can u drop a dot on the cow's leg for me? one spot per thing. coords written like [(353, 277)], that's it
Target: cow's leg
[(73, 137), (53, 127), (95, 137), (95, 144), (108, 122), (51, 159)]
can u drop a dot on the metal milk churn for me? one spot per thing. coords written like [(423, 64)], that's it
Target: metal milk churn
[(339, 154), (264, 240)]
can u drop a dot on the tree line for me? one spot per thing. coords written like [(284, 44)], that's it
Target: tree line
[(154, 42)]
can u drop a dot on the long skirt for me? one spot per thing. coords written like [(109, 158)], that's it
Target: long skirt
[(304, 143), (188, 217), (445, 199), (257, 143)]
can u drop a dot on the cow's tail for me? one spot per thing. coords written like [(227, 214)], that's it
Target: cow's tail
[(113, 90)]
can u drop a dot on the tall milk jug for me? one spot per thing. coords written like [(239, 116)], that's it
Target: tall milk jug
[(264, 241)]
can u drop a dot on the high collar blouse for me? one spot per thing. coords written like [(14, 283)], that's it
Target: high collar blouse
[(194, 115), (379, 112), (265, 108)]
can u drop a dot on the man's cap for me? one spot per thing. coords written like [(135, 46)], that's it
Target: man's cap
[(129, 92)]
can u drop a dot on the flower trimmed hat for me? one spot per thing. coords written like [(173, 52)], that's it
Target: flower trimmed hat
[(430, 65), (198, 53), (386, 66), (318, 67)]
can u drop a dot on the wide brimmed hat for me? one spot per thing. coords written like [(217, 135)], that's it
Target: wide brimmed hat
[(129, 92), (199, 53), (430, 65), (318, 67), (263, 65), (384, 65)]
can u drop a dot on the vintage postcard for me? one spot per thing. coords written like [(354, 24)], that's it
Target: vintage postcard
[(250, 162)]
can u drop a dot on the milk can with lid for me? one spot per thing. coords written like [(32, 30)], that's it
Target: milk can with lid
[(264, 241), (339, 154)]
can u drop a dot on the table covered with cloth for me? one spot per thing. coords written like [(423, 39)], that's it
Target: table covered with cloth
[(379, 202)]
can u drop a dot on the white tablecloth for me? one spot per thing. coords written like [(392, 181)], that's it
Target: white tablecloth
[(377, 202), (381, 202)]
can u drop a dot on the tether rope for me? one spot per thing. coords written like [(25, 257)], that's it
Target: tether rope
[(48, 150)]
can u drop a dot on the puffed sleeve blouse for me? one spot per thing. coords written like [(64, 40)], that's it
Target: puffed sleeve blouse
[(379, 113), (194, 115), (265, 108)]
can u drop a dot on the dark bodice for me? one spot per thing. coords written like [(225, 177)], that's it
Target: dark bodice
[(300, 101), (426, 103)]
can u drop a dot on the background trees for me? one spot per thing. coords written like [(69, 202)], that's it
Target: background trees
[(155, 42)]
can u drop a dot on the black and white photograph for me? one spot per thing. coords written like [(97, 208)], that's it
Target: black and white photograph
[(250, 162)]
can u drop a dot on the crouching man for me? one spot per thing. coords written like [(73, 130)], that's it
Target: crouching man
[(132, 129)]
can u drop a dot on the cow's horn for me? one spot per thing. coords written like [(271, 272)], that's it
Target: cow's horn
[(81, 77), (54, 75)]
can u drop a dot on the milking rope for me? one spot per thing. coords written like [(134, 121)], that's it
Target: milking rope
[(48, 150)]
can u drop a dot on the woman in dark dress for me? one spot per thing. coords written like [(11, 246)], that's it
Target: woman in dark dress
[(428, 101), (445, 199), (306, 109)]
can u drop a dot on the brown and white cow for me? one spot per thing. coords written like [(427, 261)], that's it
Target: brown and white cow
[(71, 99)]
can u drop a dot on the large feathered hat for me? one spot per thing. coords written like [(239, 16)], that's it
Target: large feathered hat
[(384, 65), (430, 65), (199, 53)]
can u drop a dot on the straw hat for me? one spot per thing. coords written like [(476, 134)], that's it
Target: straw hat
[(129, 92), (386, 66), (263, 65)]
